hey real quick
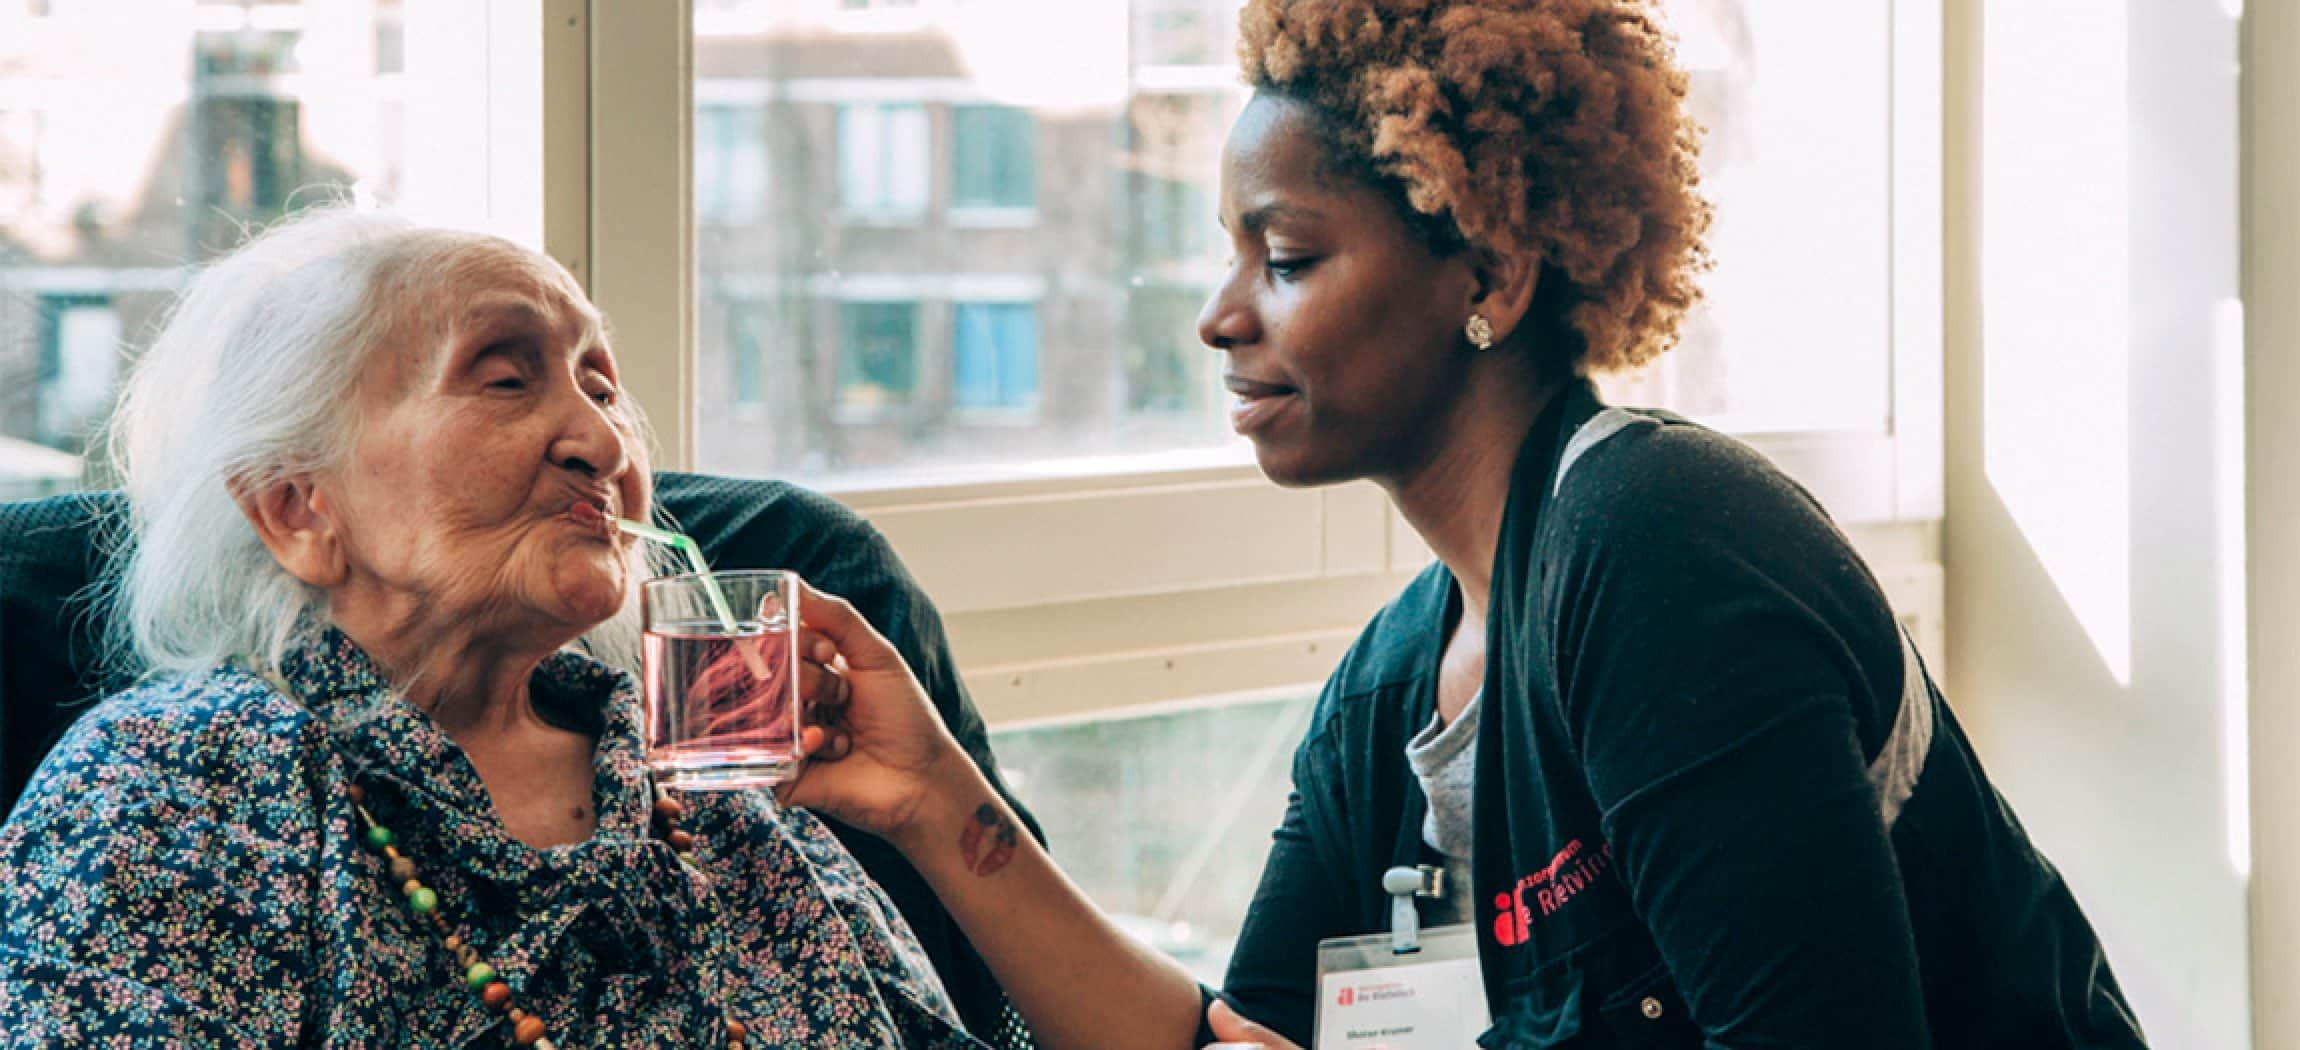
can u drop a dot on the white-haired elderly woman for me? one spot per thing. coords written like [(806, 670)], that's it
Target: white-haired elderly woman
[(368, 466)]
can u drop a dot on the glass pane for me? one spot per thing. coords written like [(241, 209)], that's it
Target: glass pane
[(730, 165), (878, 356), (995, 147), (995, 357), (1048, 211), (966, 162), (1796, 330), (1164, 820), (137, 139), (749, 326)]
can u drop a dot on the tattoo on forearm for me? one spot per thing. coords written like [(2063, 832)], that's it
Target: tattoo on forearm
[(988, 841)]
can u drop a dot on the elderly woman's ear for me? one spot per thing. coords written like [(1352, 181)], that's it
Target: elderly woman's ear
[(293, 520)]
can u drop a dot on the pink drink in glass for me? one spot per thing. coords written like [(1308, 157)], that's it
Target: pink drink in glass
[(721, 708)]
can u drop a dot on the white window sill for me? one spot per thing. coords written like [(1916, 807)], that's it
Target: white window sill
[(993, 218), (1079, 594)]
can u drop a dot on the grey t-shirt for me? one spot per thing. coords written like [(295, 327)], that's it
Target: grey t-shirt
[(1443, 757)]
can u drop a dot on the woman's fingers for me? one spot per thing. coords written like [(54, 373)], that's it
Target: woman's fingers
[(821, 682), (830, 617), (826, 694), (1235, 1031), (827, 744)]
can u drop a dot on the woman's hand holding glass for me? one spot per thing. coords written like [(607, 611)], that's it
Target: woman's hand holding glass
[(875, 748)]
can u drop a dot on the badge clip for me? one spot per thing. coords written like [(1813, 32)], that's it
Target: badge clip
[(1403, 884)]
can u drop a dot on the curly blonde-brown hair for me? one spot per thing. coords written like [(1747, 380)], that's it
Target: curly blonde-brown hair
[(1557, 127)]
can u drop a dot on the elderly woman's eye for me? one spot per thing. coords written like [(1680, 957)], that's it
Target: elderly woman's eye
[(508, 383), (606, 396)]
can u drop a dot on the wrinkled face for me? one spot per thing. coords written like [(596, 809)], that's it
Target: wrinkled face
[(493, 453), (1343, 328)]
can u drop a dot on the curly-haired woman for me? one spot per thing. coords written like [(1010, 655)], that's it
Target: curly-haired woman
[(1689, 782)]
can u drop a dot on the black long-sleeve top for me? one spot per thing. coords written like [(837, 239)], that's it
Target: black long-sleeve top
[(1719, 802)]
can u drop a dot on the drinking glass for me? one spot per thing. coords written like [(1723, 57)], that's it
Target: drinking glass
[(722, 700)]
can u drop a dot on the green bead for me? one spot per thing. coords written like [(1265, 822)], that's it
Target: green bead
[(378, 837), (478, 976), (423, 900)]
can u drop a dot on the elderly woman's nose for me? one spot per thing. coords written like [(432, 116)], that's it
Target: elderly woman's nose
[(593, 441)]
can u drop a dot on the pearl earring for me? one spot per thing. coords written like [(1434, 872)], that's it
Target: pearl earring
[(1480, 332)]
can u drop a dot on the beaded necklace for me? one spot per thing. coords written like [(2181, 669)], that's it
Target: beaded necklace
[(475, 972)]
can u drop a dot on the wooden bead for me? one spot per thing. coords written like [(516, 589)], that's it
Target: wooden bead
[(358, 796), (409, 887), (527, 1030), (680, 840), (403, 869), (497, 994), (735, 1029), (515, 1014), (454, 942), (669, 808)]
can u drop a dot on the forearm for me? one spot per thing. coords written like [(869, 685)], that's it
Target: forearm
[(1077, 979)]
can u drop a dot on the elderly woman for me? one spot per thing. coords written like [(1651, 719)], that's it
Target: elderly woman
[(368, 794)]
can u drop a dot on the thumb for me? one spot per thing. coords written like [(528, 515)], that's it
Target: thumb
[(1231, 1028)]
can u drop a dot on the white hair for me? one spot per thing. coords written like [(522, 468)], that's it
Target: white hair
[(251, 382)]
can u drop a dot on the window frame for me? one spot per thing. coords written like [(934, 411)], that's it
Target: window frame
[(1223, 583)]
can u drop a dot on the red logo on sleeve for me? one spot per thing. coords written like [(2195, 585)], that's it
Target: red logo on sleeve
[(1573, 870)]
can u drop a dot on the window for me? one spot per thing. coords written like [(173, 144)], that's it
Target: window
[(1167, 372), (1164, 819), (247, 130), (878, 357), (994, 150), (971, 166), (994, 357), (1129, 425), (749, 326), (883, 167), (1796, 128), (251, 156), (79, 363), (730, 164), (1184, 33), (133, 147)]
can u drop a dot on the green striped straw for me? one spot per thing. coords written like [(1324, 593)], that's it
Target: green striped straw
[(685, 545)]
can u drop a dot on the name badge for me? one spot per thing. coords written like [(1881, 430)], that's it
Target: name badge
[(1371, 997)]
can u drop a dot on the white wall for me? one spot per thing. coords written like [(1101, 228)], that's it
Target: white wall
[(2094, 487)]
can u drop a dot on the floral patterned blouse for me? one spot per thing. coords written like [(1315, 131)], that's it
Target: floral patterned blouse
[(186, 870)]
